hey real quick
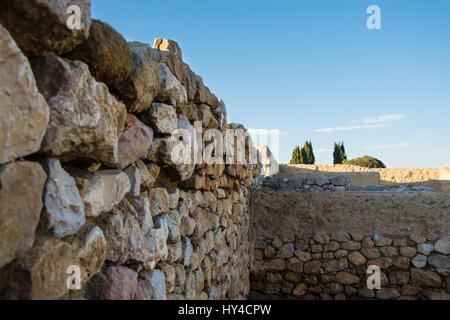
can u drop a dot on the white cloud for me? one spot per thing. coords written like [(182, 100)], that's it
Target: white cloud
[(384, 118), (356, 127), (389, 146)]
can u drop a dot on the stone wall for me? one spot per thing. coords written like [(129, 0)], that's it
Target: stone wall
[(436, 178), (92, 202), (319, 245)]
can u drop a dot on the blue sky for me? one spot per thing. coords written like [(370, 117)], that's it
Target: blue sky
[(313, 70)]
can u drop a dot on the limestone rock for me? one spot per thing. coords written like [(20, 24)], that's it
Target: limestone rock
[(171, 90), (91, 254), (134, 142), (142, 85), (22, 130), (346, 278), (187, 251), (443, 245), (419, 261), (156, 284), (439, 261), (101, 190), (134, 176), (64, 210), (41, 274), (22, 184), (204, 220), (85, 119), (356, 258), (169, 52), (300, 290), (159, 201), (286, 251), (157, 243), (144, 215), (149, 173), (106, 53), (422, 278), (162, 118), (40, 27)]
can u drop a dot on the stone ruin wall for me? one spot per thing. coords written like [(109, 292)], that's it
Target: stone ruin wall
[(436, 178), (87, 180), (311, 241)]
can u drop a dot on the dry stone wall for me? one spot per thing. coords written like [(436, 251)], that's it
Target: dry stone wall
[(92, 202), (319, 245)]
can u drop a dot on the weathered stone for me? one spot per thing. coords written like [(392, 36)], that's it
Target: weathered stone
[(134, 142), (417, 238), (173, 224), (174, 252), (389, 251), (21, 132), (162, 118), (274, 265), (332, 246), (439, 261), (371, 253), (443, 245), (134, 175), (115, 283), (91, 253), (423, 278), (419, 261), (64, 210), (106, 53), (367, 243), (49, 257), (356, 258), (157, 242), (101, 190), (425, 248), (286, 251), (277, 243), (312, 267), (159, 201), (340, 180), (171, 90), (142, 85), (341, 253), (351, 245), (340, 236), (144, 216), (21, 188), (295, 265), (303, 256), (300, 290), (346, 278), (381, 241), (269, 165), (85, 119), (408, 252), (408, 290), (316, 248), (46, 25), (204, 220), (387, 294), (141, 291), (402, 262), (400, 242), (321, 180)]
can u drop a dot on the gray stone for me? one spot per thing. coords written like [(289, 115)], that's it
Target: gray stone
[(286, 251), (171, 90), (101, 190), (439, 261), (425, 248), (162, 118), (64, 209), (187, 251), (155, 283), (443, 245), (419, 261), (135, 180)]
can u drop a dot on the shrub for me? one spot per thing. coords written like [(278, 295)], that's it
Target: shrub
[(366, 161)]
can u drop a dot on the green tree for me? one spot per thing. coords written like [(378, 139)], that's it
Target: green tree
[(339, 154), (296, 156)]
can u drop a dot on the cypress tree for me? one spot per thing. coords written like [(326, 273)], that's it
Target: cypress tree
[(296, 155)]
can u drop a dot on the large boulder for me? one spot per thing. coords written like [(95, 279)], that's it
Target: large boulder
[(25, 111), (85, 119), (22, 185), (64, 210), (101, 190), (115, 283), (41, 27), (134, 142), (171, 90), (42, 273), (169, 53), (143, 84), (106, 53), (162, 118)]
